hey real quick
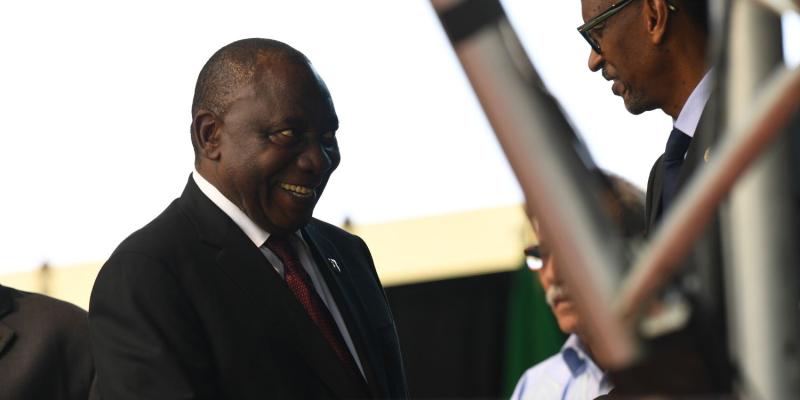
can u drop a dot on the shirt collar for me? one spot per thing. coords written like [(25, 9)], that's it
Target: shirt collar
[(253, 231), (577, 360), (689, 117)]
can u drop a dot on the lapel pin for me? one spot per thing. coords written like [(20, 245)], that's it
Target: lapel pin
[(707, 154), (334, 265)]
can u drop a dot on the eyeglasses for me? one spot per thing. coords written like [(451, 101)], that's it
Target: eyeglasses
[(536, 256), (586, 29)]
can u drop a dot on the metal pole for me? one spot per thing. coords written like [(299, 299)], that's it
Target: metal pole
[(549, 164), (762, 233), (779, 6)]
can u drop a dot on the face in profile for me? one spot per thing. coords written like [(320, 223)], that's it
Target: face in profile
[(558, 298), (623, 60), (278, 145)]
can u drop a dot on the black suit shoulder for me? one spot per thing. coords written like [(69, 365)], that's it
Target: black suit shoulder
[(43, 341), (64, 318), (170, 230), (169, 246), (334, 233), (141, 306), (347, 244)]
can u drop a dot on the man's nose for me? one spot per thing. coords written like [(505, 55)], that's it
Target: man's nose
[(315, 158), (548, 271), (595, 61)]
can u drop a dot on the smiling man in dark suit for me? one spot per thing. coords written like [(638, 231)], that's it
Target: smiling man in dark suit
[(235, 291)]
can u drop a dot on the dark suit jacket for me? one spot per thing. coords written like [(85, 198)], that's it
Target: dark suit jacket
[(188, 308), (44, 348), (704, 262), (694, 359), (703, 140)]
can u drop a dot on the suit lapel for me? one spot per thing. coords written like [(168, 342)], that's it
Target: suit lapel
[(693, 156), (350, 305), (655, 192), (272, 300), (704, 138), (687, 169)]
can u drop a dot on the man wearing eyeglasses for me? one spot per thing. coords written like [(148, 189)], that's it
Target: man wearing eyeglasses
[(572, 373), (655, 53)]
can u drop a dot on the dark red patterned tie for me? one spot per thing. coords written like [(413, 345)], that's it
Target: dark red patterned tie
[(300, 283)]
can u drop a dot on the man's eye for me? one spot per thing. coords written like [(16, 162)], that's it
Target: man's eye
[(597, 31), (283, 137), (328, 137), (544, 252)]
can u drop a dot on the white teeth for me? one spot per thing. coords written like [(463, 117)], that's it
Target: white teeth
[(297, 190)]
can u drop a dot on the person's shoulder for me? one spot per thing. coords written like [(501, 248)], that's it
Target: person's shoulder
[(45, 314), (548, 376), (351, 247), (335, 234), (162, 233), (43, 303), (328, 229), (159, 247)]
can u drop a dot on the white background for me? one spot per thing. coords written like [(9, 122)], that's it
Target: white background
[(95, 101)]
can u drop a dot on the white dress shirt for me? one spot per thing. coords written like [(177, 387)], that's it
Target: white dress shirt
[(689, 117), (259, 236), (569, 374)]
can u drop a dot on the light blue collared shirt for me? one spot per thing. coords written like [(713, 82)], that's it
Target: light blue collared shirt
[(568, 375)]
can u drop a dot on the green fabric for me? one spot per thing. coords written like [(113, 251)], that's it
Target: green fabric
[(532, 331)]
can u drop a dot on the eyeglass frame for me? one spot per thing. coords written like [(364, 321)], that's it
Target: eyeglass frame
[(536, 256), (591, 24)]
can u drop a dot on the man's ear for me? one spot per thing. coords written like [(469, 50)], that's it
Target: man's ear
[(206, 131), (657, 16)]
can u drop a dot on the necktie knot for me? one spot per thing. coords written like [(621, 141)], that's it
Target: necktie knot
[(282, 248), (677, 144)]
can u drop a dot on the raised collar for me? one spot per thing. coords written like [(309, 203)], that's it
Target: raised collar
[(689, 117), (578, 361)]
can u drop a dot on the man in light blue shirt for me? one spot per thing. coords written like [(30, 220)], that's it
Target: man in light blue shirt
[(572, 373)]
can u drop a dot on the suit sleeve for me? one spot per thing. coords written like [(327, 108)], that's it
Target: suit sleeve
[(147, 340)]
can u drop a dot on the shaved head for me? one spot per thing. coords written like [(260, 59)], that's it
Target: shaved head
[(233, 67)]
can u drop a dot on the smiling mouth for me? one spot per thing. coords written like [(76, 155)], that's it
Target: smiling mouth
[(298, 190)]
